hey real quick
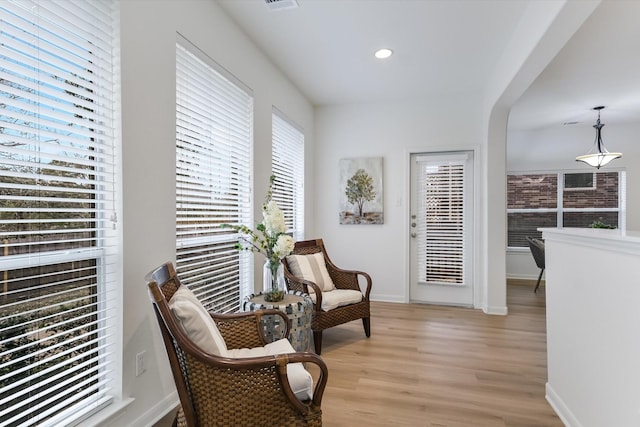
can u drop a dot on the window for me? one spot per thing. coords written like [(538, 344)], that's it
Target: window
[(214, 116), (579, 181), (287, 165), (59, 339), (443, 220), (563, 200)]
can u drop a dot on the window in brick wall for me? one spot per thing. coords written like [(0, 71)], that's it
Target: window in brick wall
[(562, 200), (579, 181)]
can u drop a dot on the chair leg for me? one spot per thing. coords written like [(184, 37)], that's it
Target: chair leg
[(538, 284), (317, 341), (366, 322)]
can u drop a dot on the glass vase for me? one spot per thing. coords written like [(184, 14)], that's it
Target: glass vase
[(273, 282)]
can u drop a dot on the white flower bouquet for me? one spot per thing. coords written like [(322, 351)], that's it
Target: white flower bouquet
[(269, 238)]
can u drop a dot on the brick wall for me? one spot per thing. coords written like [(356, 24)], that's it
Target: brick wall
[(532, 191)]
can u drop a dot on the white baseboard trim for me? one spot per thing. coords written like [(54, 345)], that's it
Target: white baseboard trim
[(523, 277), (499, 311), (159, 410), (563, 412), (387, 298)]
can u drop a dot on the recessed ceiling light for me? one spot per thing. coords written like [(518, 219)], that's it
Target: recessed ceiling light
[(383, 53)]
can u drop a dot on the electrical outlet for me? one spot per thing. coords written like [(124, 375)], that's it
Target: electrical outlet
[(141, 364)]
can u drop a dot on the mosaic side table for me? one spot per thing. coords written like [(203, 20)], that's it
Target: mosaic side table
[(297, 306)]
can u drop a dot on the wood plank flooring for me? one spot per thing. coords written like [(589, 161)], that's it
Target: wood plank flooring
[(441, 366)]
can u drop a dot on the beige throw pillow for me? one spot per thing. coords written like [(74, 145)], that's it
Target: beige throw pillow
[(312, 268), (196, 322)]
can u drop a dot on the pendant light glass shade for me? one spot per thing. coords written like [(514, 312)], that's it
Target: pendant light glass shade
[(598, 156)]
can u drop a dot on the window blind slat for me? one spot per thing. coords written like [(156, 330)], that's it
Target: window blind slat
[(213, 179), (441, 232), (287, 165)]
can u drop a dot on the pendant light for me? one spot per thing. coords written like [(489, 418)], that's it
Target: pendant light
[(598, 156)]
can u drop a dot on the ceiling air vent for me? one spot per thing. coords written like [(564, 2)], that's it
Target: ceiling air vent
[(281, 4)]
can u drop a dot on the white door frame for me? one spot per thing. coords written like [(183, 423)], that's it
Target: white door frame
[(476, 215)]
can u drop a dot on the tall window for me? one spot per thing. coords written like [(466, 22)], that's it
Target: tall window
[(60, 284), (563, 200), (214, 116), (287, 164)]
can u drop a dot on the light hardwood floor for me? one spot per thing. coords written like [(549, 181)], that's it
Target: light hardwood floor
[(440, 366)]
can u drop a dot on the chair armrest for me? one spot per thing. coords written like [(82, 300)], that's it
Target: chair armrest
[(312, 358), (302, 285), (266, 374), (299, 284), (245, 330), (348, 279)]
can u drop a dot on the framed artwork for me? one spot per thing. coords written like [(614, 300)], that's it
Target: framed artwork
[(360, 191)]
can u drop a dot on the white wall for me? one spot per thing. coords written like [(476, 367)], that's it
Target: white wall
[(148, 110), (388, 130), (592, 324), (555, 149)]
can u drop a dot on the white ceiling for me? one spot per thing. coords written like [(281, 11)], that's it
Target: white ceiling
[(600, 65), (326, 48)]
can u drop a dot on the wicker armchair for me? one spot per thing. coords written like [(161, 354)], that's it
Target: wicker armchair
[(342, 279), (220, 391)]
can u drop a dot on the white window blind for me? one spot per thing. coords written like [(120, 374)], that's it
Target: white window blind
[(59, 329), (441, 232), (287, 165), (214, 135)]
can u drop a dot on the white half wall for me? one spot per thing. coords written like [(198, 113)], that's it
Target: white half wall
[(592, 324)]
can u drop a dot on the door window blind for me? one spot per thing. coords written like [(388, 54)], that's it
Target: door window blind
[(287, 165), (214, 133), (59, 330), (441, 230)]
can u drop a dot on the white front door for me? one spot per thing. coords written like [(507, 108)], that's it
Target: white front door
[(441, 228)]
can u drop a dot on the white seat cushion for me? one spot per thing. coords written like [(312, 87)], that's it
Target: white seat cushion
[(312, 268), (338, 298), (300, 379), (196, 322)]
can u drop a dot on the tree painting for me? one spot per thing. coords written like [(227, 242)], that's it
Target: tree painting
[(361, 191)]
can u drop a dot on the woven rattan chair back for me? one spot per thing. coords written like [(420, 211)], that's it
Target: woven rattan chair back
[(342, 279), (163, 283)]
